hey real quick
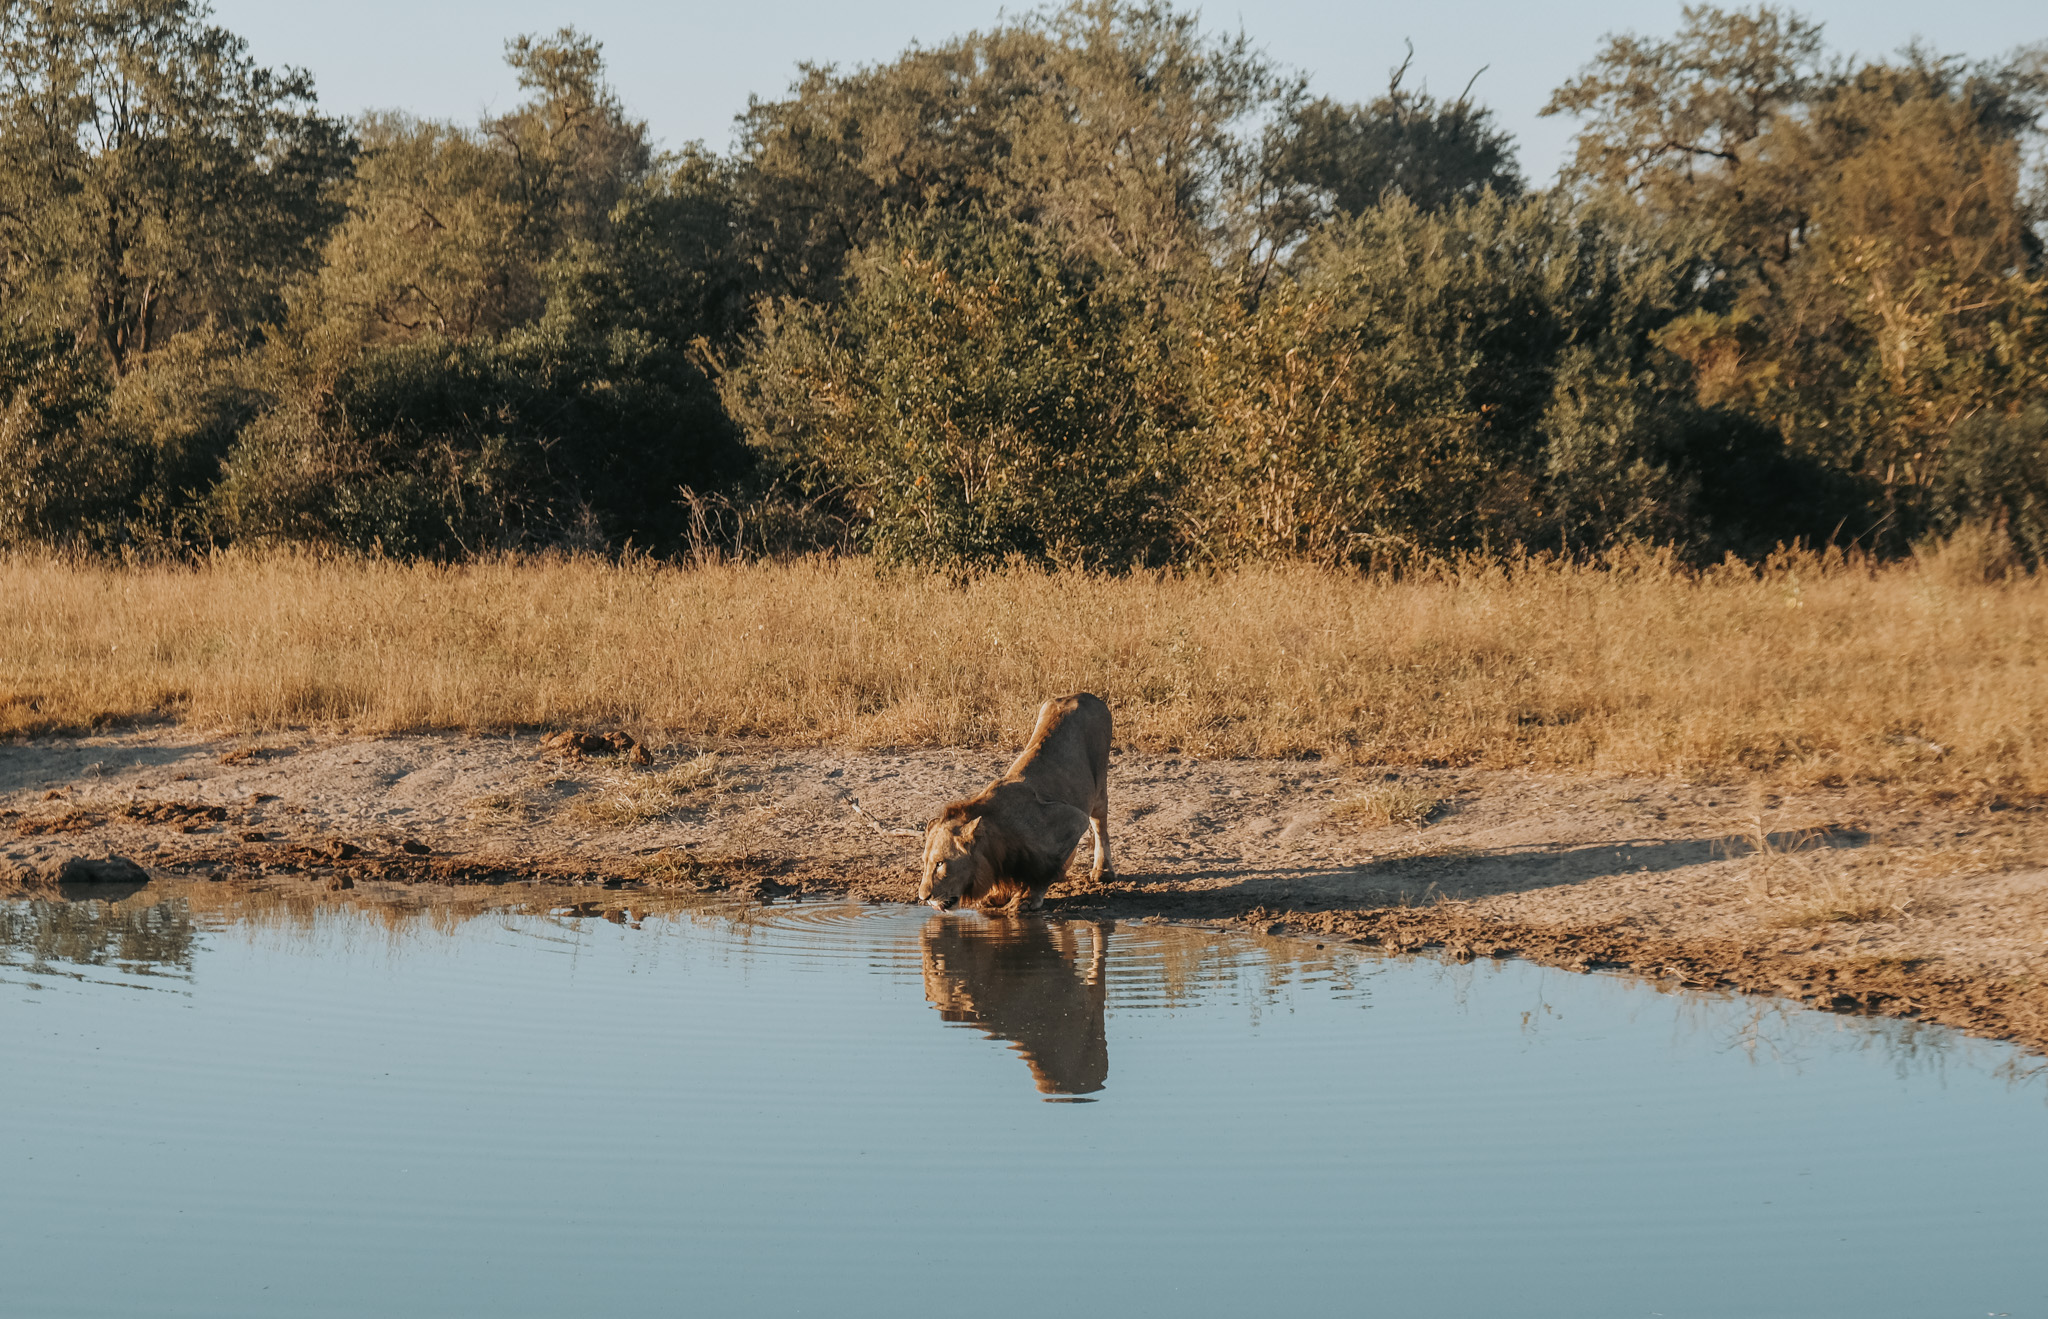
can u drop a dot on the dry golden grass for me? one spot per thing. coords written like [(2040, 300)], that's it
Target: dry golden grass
[(1390, 803), (1832, 897), (502, 803), (625, 797), (1798, 881), (1810, 671)]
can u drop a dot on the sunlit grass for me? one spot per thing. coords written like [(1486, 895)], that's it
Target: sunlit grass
[(1811, 671), (1797, 881), (625, 797)]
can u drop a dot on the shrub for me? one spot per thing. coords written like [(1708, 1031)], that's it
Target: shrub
[(65, 476), (975, 395), (550, 436), (1995, 472)]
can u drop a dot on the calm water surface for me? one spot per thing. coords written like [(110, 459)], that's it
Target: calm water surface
[(222, 1104)]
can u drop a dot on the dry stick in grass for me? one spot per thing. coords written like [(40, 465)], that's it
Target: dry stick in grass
[(1811, 672)]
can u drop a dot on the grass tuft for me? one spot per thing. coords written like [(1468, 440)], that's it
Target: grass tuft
[(1798, 882), (1389, 804), (502, 803), (671, 870), (625, 798)]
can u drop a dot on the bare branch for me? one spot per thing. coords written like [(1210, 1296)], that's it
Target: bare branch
[(877, 825)]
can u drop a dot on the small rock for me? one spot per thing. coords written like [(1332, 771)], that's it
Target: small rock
[(340, 850), (103, 870), (413, 848), (79, 878), (339, 882), (255, 836)]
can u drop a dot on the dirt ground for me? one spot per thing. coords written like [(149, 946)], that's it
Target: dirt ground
[(1850, 899)]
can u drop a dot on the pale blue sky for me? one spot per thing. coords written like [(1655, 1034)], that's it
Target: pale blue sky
[(687, 68)]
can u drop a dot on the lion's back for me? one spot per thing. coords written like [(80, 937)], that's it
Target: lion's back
[(1067, 758)]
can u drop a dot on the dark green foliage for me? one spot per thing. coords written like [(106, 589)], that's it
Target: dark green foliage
[(92, 463), (1996, 474), (667, 266), (1484, 375), (61, 480), (1433, 153), (549, 436), (517, 373)]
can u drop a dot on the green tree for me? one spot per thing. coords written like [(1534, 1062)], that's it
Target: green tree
[(1670, 120), (436, 241), (1487, 374), (1875, 272), (1432, 152), (1902, 288), (976, 394), (451, 230), (1995, 474), (1123, 130), (573, 149), (152, 177), (500, 347)]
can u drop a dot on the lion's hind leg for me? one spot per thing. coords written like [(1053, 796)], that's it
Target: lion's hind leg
[(1098, 828)]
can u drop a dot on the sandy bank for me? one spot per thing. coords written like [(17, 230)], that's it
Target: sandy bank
[(1850, 899)]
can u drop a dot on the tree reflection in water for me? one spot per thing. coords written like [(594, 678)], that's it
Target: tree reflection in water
[(46, 934), (1025, 980)]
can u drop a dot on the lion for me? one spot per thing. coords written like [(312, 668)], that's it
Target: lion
[(1005, 846)]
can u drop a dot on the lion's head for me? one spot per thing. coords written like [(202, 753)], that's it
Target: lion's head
[(954, 867)]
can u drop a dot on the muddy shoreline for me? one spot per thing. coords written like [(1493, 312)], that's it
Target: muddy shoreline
[(1843, 900)]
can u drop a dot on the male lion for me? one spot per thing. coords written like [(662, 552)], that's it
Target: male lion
[(1010, 842)]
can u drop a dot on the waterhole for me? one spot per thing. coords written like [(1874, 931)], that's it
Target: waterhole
[(223, 1101)]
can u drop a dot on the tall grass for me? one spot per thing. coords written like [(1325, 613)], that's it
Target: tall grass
[(1809, 670)]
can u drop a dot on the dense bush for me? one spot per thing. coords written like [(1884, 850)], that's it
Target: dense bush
[(550, 435), (60, 477), (1995, 473), (1093, 286), (971, 397)]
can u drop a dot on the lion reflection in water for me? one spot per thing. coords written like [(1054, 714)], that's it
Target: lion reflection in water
[(1025, 980)]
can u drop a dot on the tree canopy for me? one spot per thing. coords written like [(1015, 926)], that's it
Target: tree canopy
[(1097, 285)]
